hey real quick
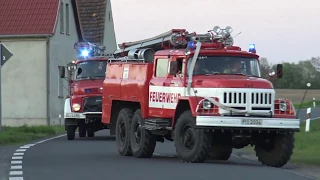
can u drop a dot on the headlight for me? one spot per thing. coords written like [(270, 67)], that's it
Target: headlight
[(187, 52), (206, 104), (76, 107), (282, 106)]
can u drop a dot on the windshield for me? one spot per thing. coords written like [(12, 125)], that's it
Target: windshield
[(90, 70), (208, 65)]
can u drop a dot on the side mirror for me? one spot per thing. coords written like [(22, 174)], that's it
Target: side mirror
[(173, 68), (62, 71), (71, 67), (279, 70)]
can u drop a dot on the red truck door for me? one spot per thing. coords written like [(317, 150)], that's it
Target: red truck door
[(165, 89), (159, 88)]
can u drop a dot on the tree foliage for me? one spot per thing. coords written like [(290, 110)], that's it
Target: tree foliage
[(295, 75)]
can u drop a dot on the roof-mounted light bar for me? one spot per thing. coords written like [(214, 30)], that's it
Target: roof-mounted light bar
[(87, 49), (223, 35)]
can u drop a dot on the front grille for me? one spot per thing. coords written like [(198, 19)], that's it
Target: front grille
[(92, 104), (235, 97), (257, 98), (261, 98), (255, 101)]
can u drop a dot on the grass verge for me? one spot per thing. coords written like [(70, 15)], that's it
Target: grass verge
[(25, 134), (307, 144), (305, 105)]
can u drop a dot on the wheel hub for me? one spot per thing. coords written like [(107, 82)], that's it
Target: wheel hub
[(137, 134), (188, 138), (122, 132)]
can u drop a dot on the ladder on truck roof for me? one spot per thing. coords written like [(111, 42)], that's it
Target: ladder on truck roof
[(175, 38), (156, 43)]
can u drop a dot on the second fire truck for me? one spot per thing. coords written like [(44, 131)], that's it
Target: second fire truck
[(200, 91), (83, 106)]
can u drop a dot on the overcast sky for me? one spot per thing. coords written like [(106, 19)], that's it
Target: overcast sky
[(283, 30)]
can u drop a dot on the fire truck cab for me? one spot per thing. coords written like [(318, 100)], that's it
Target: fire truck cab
[(83, 105), (200, 91)]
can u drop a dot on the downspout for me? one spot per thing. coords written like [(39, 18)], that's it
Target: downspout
[(48, 80)]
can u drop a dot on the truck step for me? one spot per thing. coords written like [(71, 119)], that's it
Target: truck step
[(156, 123)]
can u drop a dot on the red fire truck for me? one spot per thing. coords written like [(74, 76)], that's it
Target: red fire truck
[(82, 108), (200, 91)]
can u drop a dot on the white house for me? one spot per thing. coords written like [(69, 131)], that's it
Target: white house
[(41, 36)]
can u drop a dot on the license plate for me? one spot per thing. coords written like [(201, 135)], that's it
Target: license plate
[(251, 121), (73, 115)]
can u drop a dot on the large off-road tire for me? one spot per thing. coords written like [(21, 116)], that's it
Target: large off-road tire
[(90, 132), (220, 152), (82, 130), (279, 153), (71, 132), (122, 131), (142, 141), (192, 145)]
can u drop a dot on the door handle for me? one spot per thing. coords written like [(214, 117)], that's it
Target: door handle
[(167, 84)]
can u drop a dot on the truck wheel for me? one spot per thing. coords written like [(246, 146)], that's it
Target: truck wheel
[(275, 151), (90, 132), (192, 145), (122, 131), (220, 152), (82, 130), (141, 140), (71, 132)]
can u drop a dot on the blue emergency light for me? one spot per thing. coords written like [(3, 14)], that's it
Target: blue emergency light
[(252, 48), (85, 53), (191, 45)]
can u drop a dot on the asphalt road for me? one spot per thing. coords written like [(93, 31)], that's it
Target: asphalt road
[(98, 158), (315, 113)]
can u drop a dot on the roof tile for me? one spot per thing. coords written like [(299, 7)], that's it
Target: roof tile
[(18, 17), (91, 16)]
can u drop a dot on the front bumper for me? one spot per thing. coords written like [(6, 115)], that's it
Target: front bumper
[(74, 115), (247, 122)]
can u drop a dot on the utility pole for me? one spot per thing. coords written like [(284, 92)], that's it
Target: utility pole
[(5, 55)]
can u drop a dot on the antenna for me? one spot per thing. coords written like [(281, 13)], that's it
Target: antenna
[(236, 35)]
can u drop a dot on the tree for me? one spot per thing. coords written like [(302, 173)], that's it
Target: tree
[(264, 67), (297, 75)]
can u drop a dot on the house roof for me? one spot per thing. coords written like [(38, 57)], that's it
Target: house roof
[(91, 14), (28, 17), (38, 17)]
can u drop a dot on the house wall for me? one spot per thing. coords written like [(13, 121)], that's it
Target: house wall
[(24, 83), (109, 39), (61, 52)]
